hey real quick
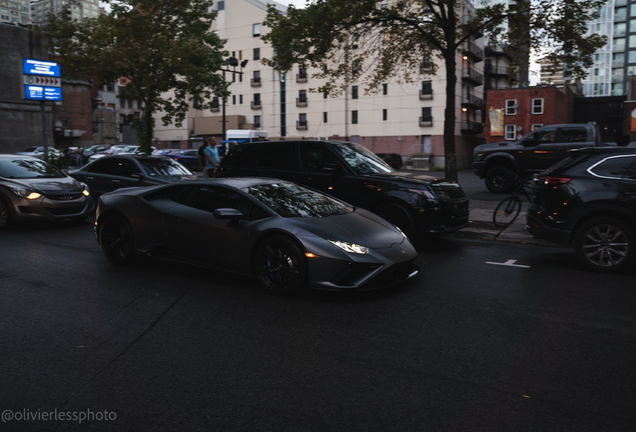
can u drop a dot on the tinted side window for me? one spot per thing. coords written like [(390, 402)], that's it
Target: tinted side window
[(544, 136), (105, 166), (572, 134), (178, 194), (631, 172), (210, 198), (277, 156), (313, 157), (240, 155), (126, 168), (612, 167)]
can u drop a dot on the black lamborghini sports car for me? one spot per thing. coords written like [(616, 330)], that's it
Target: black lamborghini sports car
[(288, 236)]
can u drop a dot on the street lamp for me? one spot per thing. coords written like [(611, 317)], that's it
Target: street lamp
[(232, 61)]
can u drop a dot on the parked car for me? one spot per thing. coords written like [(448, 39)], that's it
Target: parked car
[(393, 159), (34, 190), (588, 201), (498, 163), (186, 157), (416, 203), (113, 172), (95, 149), (288, 236), (38, 152)]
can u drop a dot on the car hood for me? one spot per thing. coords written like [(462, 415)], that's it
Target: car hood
[(51, 186), (499, 146), (361, 227), (408, 178)]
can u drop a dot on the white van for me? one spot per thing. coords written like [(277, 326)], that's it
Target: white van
[(245, 135)]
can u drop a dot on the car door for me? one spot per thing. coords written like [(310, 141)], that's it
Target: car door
[(277, 160), (99, 176), (322, 169), (538, 149), (627, 191), (568, 138), (197, 235)]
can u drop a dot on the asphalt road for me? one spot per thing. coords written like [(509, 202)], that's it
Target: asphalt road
[(467, 346)]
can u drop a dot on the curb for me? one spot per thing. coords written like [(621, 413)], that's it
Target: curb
[(516, 233)]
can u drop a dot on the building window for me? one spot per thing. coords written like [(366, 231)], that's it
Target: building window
[(302, 72), (324, 117), (537, 106), (427, 87), (233, 99), (240, 99), (511, 107), (256, 30), (385, 89), (510, 132), (426, 114), (536, 126), (354, 92), (302, 95), (354, 117), (325, 93), (257, 121), (384, 114), (220, 5), (257, 54)]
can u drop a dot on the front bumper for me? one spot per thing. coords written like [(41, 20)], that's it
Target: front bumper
[(46, 208), (443, 218), (479, 168)]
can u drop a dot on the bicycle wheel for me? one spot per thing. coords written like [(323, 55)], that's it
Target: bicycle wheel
[(506, 211)]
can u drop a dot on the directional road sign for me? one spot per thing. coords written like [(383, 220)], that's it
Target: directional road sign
[(40, 67), (42, 81)]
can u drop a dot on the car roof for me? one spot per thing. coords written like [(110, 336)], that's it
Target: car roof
[(604, 150), (14, 156)]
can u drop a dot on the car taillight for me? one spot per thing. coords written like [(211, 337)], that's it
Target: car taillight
[(553, 181), (178, 158)]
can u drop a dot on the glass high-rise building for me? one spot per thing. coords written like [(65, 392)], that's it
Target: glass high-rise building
[(76, 10), (15, 12)]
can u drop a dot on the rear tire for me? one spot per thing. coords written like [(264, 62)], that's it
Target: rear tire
[(506, 212), (280, 266), (5, 214), (500, 180), (605, 244), (116, 240)]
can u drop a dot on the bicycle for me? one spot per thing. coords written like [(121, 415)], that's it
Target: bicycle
[(507, 211)]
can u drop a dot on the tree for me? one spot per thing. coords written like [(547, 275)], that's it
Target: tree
[(398, 39), (163, 49)]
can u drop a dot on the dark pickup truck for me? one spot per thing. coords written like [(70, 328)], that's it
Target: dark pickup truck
[(498, 163)]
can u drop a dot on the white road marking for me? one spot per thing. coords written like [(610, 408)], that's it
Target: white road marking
[(509, 263)]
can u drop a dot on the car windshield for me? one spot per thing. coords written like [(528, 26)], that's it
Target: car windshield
[(360, 159), (127, 150), (31, 149), (290, 200), (159, 166), (27, 169)]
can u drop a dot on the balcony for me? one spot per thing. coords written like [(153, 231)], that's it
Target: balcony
[(301, 102), (301, 125), (496, 50), (256, 105), (497, 71), (301, 78), (473, 51), (426, 94), (255, 82), (426, 121), (470, 75), (471, 127), (215, 109), (471, 101)]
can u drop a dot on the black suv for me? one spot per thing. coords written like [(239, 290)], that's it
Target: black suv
[(588, 201), (417, 204)]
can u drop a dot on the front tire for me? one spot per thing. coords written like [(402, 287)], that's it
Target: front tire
[(5, 214), (399, 216), (500, 180), (506, 212), (280, 266), (605, 244), (116, 240)]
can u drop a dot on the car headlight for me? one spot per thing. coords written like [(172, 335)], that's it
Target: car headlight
[(479, 155), (350, 247), (24, 192), (86, 190), (426, 194)]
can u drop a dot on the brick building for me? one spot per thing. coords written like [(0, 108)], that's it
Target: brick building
[(513, 113)]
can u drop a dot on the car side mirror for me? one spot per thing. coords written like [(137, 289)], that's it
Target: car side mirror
[(227, 214), (333, 167)]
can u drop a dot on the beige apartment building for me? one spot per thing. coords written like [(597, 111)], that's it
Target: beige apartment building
[(401, 118)]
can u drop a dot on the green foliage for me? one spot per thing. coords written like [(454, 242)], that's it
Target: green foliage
[(363, 41), (163, 50)]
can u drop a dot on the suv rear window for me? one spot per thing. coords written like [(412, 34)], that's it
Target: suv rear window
[(614, 167), (240, 155)]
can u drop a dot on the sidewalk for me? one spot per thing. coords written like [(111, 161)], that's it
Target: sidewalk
[(481, 226)]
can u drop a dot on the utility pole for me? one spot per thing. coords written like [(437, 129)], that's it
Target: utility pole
[(232, 61)]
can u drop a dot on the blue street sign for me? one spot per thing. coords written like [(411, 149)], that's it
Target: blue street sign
[(43, 93), (40, 67)]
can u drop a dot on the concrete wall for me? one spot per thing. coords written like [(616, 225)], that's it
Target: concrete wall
[(20, 120)]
